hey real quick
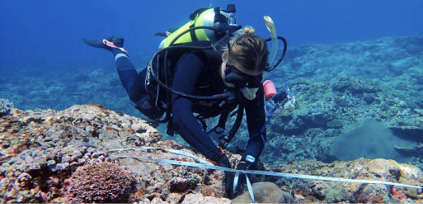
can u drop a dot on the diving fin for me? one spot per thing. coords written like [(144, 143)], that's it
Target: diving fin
[(95, 43), (108, 43)]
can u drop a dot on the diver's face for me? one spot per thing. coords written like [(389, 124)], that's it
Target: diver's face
[(232, 73), (225, 68), (233, 77)]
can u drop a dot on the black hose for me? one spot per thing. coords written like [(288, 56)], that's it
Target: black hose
[(217, 97), (222, 96), (285, 45)]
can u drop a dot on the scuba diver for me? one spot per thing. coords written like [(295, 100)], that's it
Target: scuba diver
[(207, 68)]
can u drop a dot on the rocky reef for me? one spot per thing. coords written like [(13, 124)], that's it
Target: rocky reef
[(5, 106), (56, 156), (339, 88), (85, 154)]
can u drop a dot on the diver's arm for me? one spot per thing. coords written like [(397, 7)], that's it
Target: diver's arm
[(256, 119), (187, 75)]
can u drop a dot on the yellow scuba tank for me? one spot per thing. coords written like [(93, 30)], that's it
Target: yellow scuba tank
[(213, 17)]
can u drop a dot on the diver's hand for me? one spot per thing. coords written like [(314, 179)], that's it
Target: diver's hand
[(108, 43), (223, 161)]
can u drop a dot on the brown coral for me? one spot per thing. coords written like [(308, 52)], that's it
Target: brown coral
[(99, 182), (179, 184)]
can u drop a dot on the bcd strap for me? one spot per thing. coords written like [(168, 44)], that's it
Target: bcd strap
[(192, 33), (226, 139)]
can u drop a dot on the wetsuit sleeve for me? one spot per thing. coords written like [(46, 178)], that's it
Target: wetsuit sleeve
[(256, 117), (188, 72)]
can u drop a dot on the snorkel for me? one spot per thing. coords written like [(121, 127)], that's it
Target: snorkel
[(273, 60), (272, 29)]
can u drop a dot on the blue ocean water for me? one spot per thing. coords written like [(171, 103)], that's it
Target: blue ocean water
[(51, 31), (45, 64)]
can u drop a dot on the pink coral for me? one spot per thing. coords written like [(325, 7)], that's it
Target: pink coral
[(99, 182)]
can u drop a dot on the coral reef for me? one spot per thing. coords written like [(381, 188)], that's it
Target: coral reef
[(308, 191), (44, 153), (84, 154), (179, 184), (99, 182), (5, 106), (338, 87)]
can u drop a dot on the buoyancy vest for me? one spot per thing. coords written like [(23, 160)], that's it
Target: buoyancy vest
[(210, 82), (215, 18)]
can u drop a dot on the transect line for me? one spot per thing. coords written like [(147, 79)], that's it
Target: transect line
[(266, 173)]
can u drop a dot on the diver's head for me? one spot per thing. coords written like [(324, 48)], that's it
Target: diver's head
[(247, 52), (244, 60)]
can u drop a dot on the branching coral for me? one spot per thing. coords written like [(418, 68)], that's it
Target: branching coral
[(99, 182)]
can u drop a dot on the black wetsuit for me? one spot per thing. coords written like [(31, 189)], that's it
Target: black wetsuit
[(198, 74)]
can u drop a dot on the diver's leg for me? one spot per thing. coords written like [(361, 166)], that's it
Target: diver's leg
[(132, 81), (134, 84)]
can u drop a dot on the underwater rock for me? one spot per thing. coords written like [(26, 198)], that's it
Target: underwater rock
[(360, 169), (199, 199), (41, 150), (380, 142), (403, 64), (178, 184), (354, 85), (265, 192), (415, 150), (335, 124), (5, 106)]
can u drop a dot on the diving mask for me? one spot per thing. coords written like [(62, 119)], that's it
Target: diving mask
[(247, 84)]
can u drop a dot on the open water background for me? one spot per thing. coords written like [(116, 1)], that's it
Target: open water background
[(47, 34)]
